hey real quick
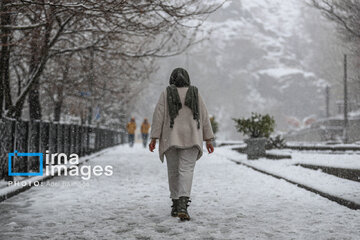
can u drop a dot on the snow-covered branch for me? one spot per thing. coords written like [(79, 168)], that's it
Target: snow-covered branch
[(22, 27)]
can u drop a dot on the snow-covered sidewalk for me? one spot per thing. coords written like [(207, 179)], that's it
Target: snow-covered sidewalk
[(322, 182), (22, 183), (228, 202)]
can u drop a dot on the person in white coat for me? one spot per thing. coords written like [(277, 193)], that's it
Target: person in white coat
[(181, 124)]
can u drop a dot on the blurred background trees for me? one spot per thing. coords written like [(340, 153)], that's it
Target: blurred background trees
[(268, 56), (345, 14), (87, 60)]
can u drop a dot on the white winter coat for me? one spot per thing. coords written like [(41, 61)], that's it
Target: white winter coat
[(184, 133)]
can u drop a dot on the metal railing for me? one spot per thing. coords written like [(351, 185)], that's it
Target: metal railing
[(40, 136)]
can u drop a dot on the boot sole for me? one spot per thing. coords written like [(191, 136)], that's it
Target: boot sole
[(184, 217)]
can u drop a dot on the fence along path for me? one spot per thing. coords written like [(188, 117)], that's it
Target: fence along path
[(39, 136)]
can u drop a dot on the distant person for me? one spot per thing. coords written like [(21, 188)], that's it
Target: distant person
[(145, 126), (131, 127), (181, 123)]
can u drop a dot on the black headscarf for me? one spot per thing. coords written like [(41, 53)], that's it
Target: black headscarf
[(180, 78)]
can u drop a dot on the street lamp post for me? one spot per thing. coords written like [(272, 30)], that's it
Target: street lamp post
[(346, 120), (327, 99)]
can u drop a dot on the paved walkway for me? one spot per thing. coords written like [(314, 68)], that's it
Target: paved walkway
[(229, 202)]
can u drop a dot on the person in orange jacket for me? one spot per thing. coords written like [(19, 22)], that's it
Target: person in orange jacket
[(145, 126), (131, 127)]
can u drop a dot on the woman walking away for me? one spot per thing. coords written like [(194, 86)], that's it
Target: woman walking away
[(181, 123)]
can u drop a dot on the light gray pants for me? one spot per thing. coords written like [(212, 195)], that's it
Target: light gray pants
[(180, 165)]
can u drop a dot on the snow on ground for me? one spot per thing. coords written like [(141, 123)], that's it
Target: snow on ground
[(3, 184), (6, 188), (349, 160), (322, 144), (229, 142), (343, 188), (229, 201)]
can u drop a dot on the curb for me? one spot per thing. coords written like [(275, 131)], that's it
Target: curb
[(323, 148), (13, 190), (344, 202)]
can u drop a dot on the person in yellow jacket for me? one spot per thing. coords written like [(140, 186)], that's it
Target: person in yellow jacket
[(131, 127), (145, 126)]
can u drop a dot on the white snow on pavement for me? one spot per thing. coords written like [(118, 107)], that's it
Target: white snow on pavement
[(228, 202), (348, 160), (343, 188)]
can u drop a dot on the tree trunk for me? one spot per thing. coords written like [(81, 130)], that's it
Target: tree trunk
[(5, 57), (34, 93), (34, 102), (57, 111), (16, 110)]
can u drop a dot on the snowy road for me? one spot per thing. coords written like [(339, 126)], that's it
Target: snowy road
[(229, 202)]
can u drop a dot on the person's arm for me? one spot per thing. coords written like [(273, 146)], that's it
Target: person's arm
[(157, 121), (208, 134)]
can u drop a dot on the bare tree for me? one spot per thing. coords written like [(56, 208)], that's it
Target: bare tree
[(345, 13), (42, 30), (5, 56)]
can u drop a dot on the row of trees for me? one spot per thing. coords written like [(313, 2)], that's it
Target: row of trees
[(346, 16), (79, 56)]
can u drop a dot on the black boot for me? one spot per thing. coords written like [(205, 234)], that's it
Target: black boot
[(182, 208), (174, 207)]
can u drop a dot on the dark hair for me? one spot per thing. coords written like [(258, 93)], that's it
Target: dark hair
[(180, 78)]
